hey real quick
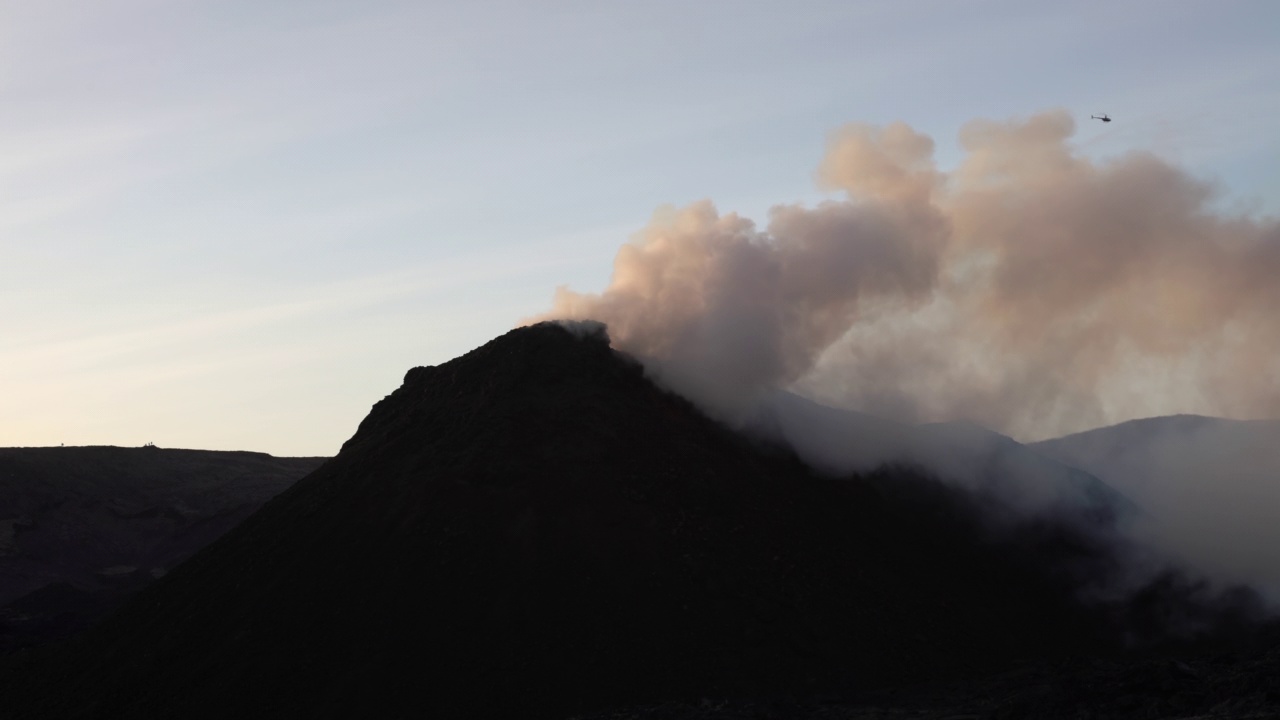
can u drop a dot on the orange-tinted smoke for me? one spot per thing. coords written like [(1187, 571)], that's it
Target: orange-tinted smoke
[(1031, 289)]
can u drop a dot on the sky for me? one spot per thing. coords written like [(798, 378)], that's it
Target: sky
[(235, 225)]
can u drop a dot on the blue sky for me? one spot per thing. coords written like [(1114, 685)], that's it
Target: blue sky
[(235, 225)]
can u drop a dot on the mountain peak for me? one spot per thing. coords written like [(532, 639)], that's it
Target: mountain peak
[(535, 528), (555, 347)]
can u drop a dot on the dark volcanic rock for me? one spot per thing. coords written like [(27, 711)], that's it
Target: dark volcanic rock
[(82, 528), (534, 529), (1206, 687)]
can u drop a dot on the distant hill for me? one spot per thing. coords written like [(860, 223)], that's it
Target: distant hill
[(81, 528), (1027, 479), (964, 454), (1139, 452), (534, 529), (1210, 487)]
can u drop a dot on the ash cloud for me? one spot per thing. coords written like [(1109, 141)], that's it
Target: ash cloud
[(1030, 289)]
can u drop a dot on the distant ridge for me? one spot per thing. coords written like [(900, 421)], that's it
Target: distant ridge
[(961, 453), (1210, 486), (1137, 452), (534, 529), (82, 528)]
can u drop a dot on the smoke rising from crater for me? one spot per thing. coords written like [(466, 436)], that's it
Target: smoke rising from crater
[(1029, 289)]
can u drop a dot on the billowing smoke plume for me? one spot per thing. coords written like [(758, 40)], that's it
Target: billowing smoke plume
[(1031, 290), (728, 311)]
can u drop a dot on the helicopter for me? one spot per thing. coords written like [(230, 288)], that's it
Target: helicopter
[(1103, 117)]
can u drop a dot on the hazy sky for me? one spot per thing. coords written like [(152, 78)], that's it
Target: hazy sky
[(235, 225)]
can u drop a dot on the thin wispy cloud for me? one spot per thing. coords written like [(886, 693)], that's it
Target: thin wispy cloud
[(162, 161)]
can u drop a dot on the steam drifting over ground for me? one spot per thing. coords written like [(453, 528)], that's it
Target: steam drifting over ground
[(1031, 290)]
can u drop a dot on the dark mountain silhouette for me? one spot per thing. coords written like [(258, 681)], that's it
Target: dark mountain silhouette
[(82, 528), (534, 529)]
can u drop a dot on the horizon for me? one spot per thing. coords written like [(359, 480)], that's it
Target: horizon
[(958, 421), (236, 227)]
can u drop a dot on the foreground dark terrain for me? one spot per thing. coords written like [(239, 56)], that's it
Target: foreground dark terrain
[(1205, 686), (536, 530), (83, 528)]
